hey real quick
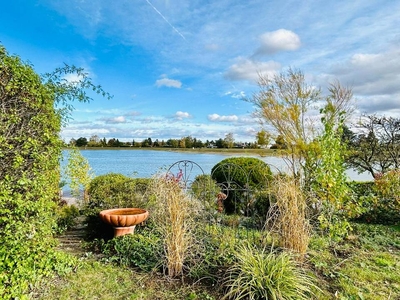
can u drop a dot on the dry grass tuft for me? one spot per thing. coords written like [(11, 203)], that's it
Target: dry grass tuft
[(287, 216), (174, 215)]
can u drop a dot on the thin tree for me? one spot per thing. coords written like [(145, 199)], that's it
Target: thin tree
[(283, 102)]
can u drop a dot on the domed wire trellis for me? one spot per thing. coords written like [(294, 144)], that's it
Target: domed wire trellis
[(184, 172), (213, 194)]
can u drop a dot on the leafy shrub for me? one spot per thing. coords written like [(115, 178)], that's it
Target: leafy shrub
[(387, 186), (217, 251), (95, 227), (33, 109), (66, 216), (363, 199), (362, 188), (29, 176), (266, 275), (205, 187), (112, 191), (375, 203), (116, 190), (138, 250), (238, 177), (264, 200), (206, 190)]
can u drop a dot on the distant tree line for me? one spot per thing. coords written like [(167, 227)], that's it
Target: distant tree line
[(184, 142), (263, 139)]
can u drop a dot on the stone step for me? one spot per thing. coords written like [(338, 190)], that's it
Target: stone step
[(71, 240)]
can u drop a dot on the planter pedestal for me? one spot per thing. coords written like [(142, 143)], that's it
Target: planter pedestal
[(118, 231)]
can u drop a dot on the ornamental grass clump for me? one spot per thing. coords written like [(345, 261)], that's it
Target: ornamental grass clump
[(287, 217), (174, 215), (267, 274)]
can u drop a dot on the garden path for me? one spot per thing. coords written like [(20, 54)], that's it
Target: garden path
[(72, 239)]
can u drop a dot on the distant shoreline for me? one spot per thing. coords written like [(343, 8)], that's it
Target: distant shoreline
[(230, 151)]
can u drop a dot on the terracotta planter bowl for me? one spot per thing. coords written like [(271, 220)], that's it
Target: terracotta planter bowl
[(124, 220)]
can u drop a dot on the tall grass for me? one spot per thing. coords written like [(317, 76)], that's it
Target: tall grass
[(174, 216), (261, 274), (287, 217)]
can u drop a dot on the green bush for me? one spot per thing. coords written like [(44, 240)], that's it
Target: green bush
[(112, 191), (374, 206), (32, 111), (214, 256), (267, 275), (116, 190), (387, 187), (66, 216), (139, 250), (30, 149), (216, 250), (206, 189), (242, 178), (264, 200)]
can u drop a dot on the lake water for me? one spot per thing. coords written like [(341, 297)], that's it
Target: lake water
[(146, 163)]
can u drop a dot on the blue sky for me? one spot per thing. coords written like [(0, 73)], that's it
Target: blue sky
[(178, 68)]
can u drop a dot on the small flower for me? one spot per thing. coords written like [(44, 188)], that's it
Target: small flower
[(220, 198)]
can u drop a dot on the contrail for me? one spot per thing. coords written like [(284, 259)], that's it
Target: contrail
[(176, 30)]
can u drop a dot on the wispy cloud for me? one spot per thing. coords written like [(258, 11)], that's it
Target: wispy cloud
[(218, 118), (169, 83), (165, 19), (206, 45), (248, 69), (371, 73), (133, 114), (236, 95), (279, 40), (73, 78), (116, 120)]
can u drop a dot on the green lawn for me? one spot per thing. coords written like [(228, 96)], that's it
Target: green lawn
[(366, 265)]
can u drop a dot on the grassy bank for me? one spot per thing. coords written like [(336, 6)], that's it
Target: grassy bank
[(366, 265), (183, 254)]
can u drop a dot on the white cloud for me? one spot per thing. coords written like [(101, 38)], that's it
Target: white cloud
[(218, 31), (218, 118), (239, 95), (247, 69), (151, 119), (133, 114), (249, 120), (116, 120), (381, 105), (169, 83), (236, 94), (279, 40), (371, 74), (180, 115)]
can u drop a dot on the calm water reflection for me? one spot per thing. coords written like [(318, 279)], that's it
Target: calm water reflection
[(146, 163)]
